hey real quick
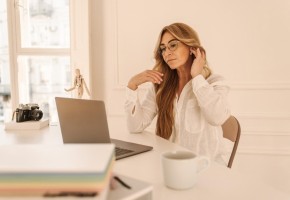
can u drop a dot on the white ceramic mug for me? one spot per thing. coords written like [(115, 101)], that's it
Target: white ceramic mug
[(180, 168)]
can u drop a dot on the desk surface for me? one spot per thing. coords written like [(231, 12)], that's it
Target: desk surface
[(217, 182)]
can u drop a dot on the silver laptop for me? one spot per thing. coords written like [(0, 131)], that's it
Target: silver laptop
[(85, 121)]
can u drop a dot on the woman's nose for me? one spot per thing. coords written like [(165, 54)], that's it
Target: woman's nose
[(167, 52)]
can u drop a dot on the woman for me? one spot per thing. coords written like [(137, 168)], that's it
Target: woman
[(190, 102)]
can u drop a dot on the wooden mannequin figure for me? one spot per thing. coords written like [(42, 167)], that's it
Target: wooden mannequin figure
[(79, 84)]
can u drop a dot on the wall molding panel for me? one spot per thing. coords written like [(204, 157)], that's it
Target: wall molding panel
[(277, 85), (244, 86), (255, 139)]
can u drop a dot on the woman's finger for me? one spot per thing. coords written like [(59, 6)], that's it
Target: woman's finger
[(156, 75)]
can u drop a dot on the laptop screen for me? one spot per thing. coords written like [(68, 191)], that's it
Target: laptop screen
[(82, 121)]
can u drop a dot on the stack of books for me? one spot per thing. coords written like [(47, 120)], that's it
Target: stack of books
[(56, 170)]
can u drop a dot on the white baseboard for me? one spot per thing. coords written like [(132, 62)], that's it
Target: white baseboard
[(263, 151)]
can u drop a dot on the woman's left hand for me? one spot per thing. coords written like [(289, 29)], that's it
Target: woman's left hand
[(198, 63)]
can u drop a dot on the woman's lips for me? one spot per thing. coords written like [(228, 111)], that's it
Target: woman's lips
[(169, 60)]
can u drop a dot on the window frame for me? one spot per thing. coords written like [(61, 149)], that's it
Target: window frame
[(79, 51)]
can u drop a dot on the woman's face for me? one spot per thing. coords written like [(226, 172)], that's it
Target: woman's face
[(175, 53)]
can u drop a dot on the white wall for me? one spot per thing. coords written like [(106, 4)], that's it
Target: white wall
[(246, 41)]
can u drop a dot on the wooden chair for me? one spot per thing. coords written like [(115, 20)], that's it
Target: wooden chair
[(232, 131)]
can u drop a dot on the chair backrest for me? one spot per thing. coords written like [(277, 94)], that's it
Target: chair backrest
[(232, 131)]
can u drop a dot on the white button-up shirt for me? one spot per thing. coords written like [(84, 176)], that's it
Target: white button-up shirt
[(199, 112)]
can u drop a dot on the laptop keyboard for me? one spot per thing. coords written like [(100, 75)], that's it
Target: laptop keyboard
[(119, 151)]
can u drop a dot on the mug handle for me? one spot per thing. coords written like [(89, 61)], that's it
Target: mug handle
[(203, 163)]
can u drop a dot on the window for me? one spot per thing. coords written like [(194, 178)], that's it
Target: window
[(44, 23), (41, 78), (42, 52), (5, 94)]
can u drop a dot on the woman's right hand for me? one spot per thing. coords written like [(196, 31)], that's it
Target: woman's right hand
[(146, 76)]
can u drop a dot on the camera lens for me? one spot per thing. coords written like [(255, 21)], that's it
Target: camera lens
[(36, 114)]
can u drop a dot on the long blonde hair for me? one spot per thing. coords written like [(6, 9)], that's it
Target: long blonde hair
[(166, 91)]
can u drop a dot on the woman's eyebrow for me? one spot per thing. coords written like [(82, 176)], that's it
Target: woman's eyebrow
[(169, 41)]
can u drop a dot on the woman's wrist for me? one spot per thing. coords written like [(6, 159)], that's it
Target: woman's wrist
[(132, 86)]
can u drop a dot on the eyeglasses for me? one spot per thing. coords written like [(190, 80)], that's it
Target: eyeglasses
[(172, 46)]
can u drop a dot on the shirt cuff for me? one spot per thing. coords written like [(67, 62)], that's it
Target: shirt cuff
[(198, 82), (131, 95)]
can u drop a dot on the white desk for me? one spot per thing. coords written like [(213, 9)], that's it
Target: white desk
[(217, 182)]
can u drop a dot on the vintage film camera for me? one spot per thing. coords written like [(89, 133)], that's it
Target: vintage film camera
[(27, 112)]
